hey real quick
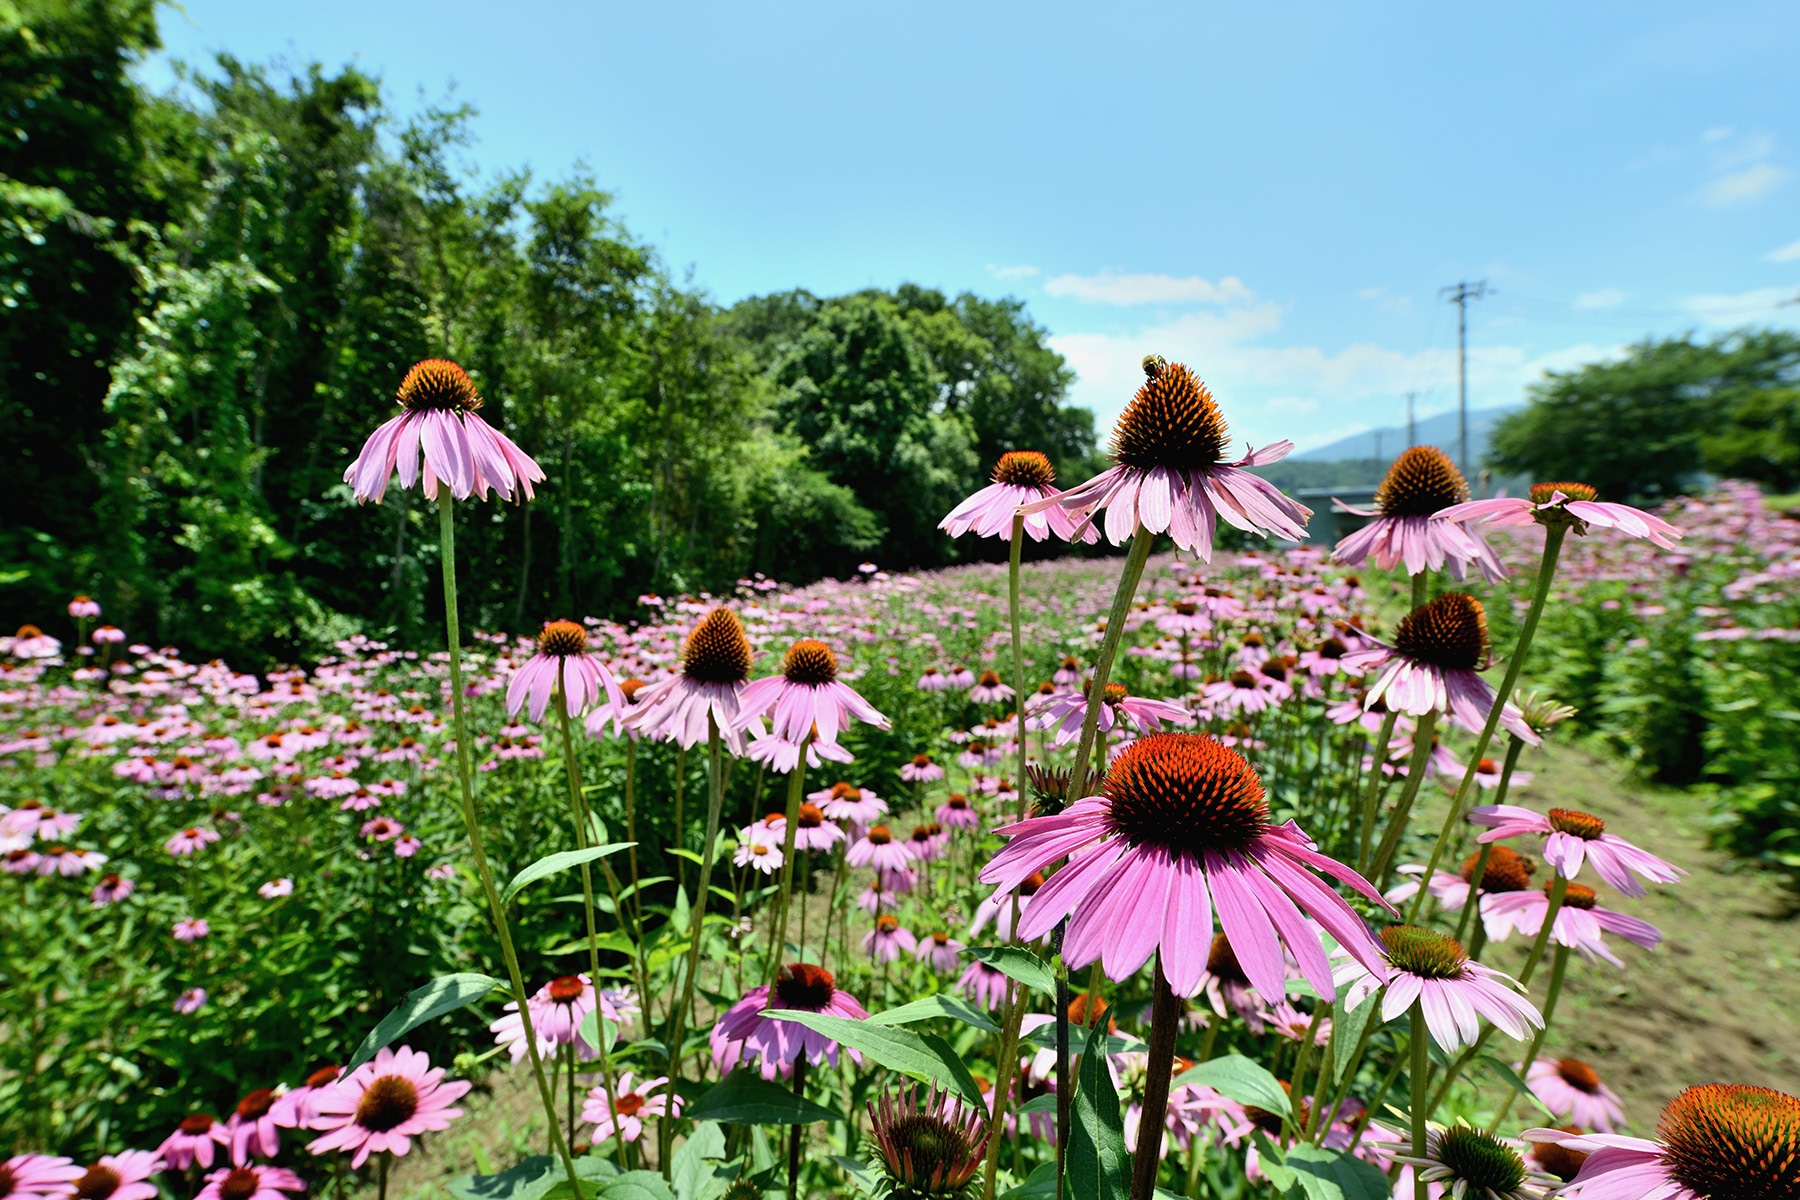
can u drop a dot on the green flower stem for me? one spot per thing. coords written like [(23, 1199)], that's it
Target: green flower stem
[(1381, 1094), (1421, 1066), (795, 1131), (1303, 1053), (1421, 589), (1319, 1128), (1415, 776), (1372, 796), (1012, 603), (1135, 559), (1481, 856), (472, 823), (631, 826), (679, 866), (578, 802), (1558, 965), (778, 943), (715, 800), (1165, 1024), (1016, 1003), (1553, 540), (1559, 888)]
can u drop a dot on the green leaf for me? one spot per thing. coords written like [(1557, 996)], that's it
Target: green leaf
[(632, 1185), (529, 1180), (1098, 1166), (700, 1171), (861, 1174), (1018, 963), (550, 864), (1237, 1078), (746, 1098), (1038, 1104), (1044, 1038), (940, 1005), (1273, 1161), (1347, 1028), (446, 993), (1511, 1079), (681, 852), (1039, 1185), (923, 1056), (1321, 1174)]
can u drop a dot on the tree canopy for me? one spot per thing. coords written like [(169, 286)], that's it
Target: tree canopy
[(1645, 426), (211, 295)]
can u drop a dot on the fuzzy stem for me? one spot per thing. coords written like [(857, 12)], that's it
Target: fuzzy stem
[(1558, 964), (1372, 799), (1165, 1024), (1012, 603), (472, 823), (578, 802), (1415, 776), (1553, 540), (1135, 559), (1474, 900), (715, 800), (778, 944), (1421, 1067), (1559, 887), (795, 1131)]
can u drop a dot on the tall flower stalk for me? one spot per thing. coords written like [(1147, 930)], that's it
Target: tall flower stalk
[(472, 823)]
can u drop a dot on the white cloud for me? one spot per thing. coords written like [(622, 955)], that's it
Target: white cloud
[(1742, 187), (1372, 293), (1787, 253), (1109, 287), (1600, 298), (1737, 306), (1717, 133), (1304, 393), (1017, 272)]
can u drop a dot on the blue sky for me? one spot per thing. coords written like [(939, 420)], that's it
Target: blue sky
[(1272, 193)]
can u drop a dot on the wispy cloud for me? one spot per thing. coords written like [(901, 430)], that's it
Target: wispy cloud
[(1021, 271), (1743, 187), (1787, 253), (1730, 306), (1304, 392), (1600, 298), (1109, 287)]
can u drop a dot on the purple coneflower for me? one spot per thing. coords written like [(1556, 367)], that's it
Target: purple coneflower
[(758, 848), (1435, 664), (191, 929), (557, 1011), (1453, 990), (1465, 1162), (743, 1034), (1066, 711), (252, 1129), (989, 690), (251, 1183), (624, 1117), (930, 1146), (441, 417), (956, 813), (807, 702), (1573, 504), (275, 889), (1716, 1141), (68, 862), (1229, 990), (933, 680), (715, 662), (1421, 483), (1580, 921), (562, 655), (847, 802), (1170, 477), (887, 939), (921, 770), (190, 841), (1505, 872), (811, 830), (1571, 1090), (1181, 826), (111, 889), (1575, 837), (877, 848), (1020, 477), (983, 985), (294, 1108), (195, 1140), (384, 1104), (940, 950), (83, 608), (190, 1001), (29, 1176), (122, 1176)]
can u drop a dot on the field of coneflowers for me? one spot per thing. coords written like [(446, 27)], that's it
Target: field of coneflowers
[(1166, 872)]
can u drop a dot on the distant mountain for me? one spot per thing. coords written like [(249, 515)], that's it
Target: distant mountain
[(1439, 431)]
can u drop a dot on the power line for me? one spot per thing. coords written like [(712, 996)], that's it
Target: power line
[(1460, 294)]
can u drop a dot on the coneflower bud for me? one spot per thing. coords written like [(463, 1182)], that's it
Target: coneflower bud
[(717, 651), (1024, 468), (1449, 632), (809, 661), (438, 383), (1172, 422), (1422, 481)]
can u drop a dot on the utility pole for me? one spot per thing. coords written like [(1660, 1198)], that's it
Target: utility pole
[(1460, 294), (1412, 438)]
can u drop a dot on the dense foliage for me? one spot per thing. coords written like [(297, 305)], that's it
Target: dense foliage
[(1645, 427), (210, 295), (1690, 663)]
